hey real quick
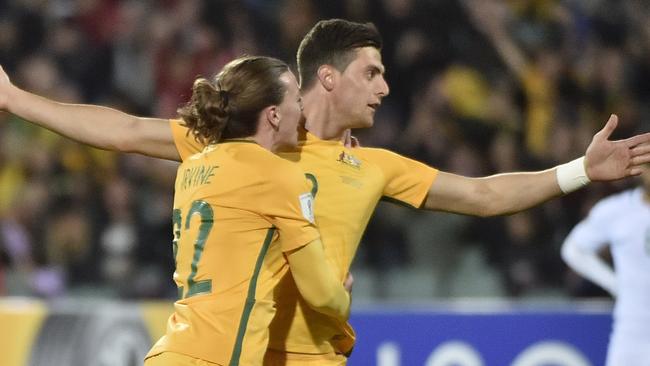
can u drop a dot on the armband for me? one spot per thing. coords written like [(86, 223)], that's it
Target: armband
[(572, 175)]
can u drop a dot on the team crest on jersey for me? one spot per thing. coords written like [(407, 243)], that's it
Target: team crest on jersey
[(350, 160)]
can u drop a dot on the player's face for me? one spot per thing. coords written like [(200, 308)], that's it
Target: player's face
[(361, 88), (290, 111)]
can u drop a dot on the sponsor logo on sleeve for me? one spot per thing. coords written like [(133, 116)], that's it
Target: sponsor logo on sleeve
[(307, 206)]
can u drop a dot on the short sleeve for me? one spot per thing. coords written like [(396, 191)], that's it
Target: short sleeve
[(291, 209), (406, 180), (592, 233), (185, 143)]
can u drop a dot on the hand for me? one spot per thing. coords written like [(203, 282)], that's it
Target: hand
[(610, 160), (349, 281), (354, 142), (350, 141), (5, 84)]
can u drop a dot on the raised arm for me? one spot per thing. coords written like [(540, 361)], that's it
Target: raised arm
[(316, 281), (97, 126), (490, 17), (513, 192)]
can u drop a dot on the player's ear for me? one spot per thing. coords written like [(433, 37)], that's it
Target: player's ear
[(327, 76), (272, 116)]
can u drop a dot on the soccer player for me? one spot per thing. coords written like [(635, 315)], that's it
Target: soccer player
[(242, 216), (342, 82), (621, 222)]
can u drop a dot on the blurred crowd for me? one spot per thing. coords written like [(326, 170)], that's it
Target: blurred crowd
[(477, 87)]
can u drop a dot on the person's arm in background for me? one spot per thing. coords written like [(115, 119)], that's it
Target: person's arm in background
[(317, 283), (513, 192), (580, 248), (588, 263), (490, 18), (97, 126)]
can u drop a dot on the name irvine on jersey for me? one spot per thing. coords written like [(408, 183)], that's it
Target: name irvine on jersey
[(196, 176)]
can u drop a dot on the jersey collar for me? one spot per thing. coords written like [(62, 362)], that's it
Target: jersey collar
[(308, 138)]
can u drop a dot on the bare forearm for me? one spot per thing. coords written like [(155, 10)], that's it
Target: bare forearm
[(494, 195), (605, 160), (85, 123), (97, 126), (514, 192)]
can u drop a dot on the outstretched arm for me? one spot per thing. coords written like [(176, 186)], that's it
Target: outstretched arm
[(101, 127), (501, 194), (490, 196), (316, 281)]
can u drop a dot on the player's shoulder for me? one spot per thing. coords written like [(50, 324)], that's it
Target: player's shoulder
[(616, 204), (178, 126), (376, 153), (245, 158), (373, 150), (264, 169), (389, 160), (279, 170)]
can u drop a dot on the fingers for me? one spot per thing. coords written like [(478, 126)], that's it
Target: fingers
[(638, 140), (634, 171), (640, 160), (349, 282), (610, 126), (640, 149), (355, 142), (3, 75), (347, 142)]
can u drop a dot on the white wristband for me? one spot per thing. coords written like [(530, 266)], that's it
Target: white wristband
[(572, 175)]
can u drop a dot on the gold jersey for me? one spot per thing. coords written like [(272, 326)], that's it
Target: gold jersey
[(347, 184), (237, 208)]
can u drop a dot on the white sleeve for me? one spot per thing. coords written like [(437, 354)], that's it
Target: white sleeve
[(592, 233), (580, 249)]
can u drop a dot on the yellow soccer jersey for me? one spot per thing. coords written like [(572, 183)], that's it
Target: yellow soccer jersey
[(347, 185), (237, 208)]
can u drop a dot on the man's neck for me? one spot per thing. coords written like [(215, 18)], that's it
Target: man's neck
[(320, 117), (264, 138)]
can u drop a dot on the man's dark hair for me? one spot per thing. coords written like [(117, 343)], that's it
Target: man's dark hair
[(333, 42)]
